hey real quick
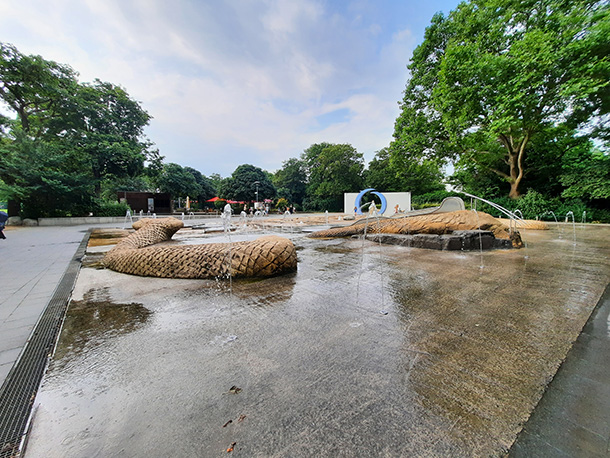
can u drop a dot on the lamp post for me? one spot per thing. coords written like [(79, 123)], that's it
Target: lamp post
[(257, 183)]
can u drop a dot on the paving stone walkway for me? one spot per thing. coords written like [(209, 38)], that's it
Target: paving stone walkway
[(32, 262)]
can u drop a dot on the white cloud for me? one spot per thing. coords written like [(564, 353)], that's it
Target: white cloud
[(245, 78), (284, 16)]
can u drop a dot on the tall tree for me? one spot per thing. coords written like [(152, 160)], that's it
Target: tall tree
[(34, 88), (245, 181), (332, 171), (216, 181), (206, 188), (291, 180), (90, 131), (495, 74), (177, 181), (415, 177), (106, 125)]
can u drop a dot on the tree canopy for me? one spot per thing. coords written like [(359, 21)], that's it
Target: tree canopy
[(177, 181), (34, 88), (332, 170), (291, 180), (418, 177), (586, 175), (206, 187), (67, 138), (495, 74), (243, 184), (103, 123)]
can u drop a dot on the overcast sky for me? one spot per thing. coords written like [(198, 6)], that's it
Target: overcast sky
[(232, 82)]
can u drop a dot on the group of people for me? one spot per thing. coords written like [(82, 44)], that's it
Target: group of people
[(264, 211)]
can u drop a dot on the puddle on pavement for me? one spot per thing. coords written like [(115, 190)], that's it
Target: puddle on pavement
[(102, 237), (452, 367), (95, 320)]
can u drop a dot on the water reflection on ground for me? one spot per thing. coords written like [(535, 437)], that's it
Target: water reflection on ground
[(94, 320), (364, 351)]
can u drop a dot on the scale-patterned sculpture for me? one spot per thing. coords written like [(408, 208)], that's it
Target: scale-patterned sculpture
[(142, 254), (434, 223)]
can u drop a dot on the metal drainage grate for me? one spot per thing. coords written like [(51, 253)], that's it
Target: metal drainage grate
[(19, 389)]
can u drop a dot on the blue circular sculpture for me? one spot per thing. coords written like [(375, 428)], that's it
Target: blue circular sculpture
[(358, 204)]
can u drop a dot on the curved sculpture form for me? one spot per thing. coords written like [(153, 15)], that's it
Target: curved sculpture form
[(359, 200), (435, 223), (139, 254), (384, 202)]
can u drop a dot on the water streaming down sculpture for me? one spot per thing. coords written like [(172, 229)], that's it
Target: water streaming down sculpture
[(140, 254), (435, 224)]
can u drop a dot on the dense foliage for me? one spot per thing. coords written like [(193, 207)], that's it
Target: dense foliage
[(247, 183), (67, 139), (420, 176), (72, 145), (291, 181), (331, 170), (177, 181), (497, 80)]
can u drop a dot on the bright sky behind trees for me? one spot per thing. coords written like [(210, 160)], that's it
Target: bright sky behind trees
[(230, 82)]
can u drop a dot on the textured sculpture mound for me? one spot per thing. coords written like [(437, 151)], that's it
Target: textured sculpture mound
[(435, 223), (529, 224), (139, 254)]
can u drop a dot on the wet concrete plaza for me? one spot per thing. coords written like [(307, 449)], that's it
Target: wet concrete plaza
[(366, 350)]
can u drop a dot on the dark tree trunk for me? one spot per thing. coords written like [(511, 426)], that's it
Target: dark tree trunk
[(515, 155)]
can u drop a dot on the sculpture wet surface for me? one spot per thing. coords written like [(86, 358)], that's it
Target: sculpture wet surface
[(436, 223), (143, 254)]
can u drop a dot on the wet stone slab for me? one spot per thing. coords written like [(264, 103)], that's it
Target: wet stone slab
[(367, 350), (456, 241)]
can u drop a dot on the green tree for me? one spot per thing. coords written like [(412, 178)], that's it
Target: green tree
[(34, 88), (177, 181), (291, 180), (106, 125), (47, 180), (244, 182), (216, 180), (91, 134), (206, 188), (415, 177), (154, 164), (333, 169), (285, 194), (495, 74), (586, 175)]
